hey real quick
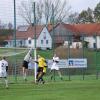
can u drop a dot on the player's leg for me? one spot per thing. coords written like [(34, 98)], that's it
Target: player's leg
[(40, 79), (4, 76), (59, 73), (25, 70), (1, 77), (6, 82), (38, 71), (40, 74), (44, 72), (25, 74), (51, 71)]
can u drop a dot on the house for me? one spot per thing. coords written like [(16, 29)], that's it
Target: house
[(44, 40), (73, 35), (25, 37), (65, 34), (90, 33)]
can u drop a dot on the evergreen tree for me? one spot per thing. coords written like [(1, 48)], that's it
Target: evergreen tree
[(97, 13)]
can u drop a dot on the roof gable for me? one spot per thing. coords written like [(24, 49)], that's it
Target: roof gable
[(45, 33)]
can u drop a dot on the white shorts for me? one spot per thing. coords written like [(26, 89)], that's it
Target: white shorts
[(3, 74), (54, 67)]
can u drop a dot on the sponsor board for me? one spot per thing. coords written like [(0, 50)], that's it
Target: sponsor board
[(70, 63)]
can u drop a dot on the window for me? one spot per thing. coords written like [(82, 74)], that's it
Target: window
[(44, 35), (29, 41), (94, 45), (41, 41), (94, 37), (47, 41), (20, 42)]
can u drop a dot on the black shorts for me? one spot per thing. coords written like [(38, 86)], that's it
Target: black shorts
[(40, 69), (25, 64)]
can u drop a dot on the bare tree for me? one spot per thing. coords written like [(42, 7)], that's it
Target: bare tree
[(25, 11), (0, 24), (44, 11), (73, 18), (10, 26), (39, 13)]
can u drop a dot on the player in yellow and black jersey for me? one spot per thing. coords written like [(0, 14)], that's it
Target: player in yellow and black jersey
[(42, 66)]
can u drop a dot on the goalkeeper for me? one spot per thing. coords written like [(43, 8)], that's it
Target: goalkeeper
[(27, 59)]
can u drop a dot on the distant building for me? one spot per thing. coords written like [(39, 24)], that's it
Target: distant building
[(70, 35), (25, 37), (74, 35)]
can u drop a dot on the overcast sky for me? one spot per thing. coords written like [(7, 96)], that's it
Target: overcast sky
[(6, 8), (79, 5)]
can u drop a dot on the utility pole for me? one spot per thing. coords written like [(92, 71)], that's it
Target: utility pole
[(15, 38), (53, 35)]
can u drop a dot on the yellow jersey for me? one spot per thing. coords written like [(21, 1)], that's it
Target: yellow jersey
[(41, 62)]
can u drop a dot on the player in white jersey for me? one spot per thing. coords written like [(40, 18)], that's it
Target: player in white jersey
[(27, 59), (55, 66), (3, 70)]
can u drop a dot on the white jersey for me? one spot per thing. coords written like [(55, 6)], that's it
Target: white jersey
[(56, 59), (55, 65), (3, 65), (28, 57)]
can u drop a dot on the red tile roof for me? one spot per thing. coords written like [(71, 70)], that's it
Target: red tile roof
[(30, 32), (77, 29), (88, 29), (71, 28)]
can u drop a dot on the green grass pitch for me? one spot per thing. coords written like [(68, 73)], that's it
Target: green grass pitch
[(76, 89), (59, 90)]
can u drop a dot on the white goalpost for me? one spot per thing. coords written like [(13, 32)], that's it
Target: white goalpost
[(33, 47), (35, 69)]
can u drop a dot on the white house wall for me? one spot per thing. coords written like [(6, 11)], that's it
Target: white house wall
[(30, 44), (19, 43), (76, 44), (73, 45), (98, 42), (44, 37), (91, 40)]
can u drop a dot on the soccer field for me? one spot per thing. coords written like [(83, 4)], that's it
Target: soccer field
[(76, 89), (62, 90)]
